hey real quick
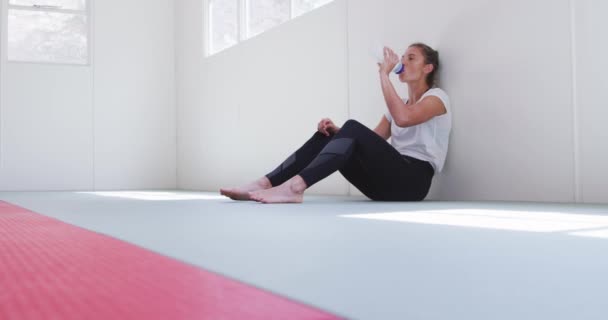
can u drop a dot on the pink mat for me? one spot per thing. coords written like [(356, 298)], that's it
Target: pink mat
[(53, 270)]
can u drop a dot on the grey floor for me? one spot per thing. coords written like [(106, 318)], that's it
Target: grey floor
[(370, 260)]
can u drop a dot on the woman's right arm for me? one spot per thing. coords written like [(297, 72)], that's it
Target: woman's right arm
[(384, 128)]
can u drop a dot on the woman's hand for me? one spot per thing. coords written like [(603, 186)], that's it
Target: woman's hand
[(390, 61), (327, 127)]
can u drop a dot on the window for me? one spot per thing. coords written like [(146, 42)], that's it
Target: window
[(223, 24), (265, 14), (232, 21), (54, 31), (302, 6)]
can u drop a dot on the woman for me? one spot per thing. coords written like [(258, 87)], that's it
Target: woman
[(399, 171)]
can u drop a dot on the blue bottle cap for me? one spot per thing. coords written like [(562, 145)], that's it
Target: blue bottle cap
[(399, 68)]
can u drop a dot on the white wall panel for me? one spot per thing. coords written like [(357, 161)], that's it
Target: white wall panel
[(246, 109), (507, 72), (135, 134), (47, 126), (592, 97), (110, 125)]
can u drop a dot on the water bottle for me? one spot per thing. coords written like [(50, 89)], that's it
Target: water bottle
[(378, 54)]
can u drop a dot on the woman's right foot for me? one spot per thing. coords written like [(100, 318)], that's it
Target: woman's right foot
[(242, 192)]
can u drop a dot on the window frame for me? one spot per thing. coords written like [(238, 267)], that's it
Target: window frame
[(86, 12)]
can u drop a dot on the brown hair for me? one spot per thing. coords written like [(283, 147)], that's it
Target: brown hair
[(431, 56)]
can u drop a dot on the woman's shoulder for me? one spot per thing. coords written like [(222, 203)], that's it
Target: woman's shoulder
[(439, 93), (435, 91)]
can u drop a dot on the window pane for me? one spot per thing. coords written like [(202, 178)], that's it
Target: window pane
[(223, 24), (64, 4), (303, 6), (265, 14), (47, 37)]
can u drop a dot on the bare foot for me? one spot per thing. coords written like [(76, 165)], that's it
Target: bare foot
[(292, 191), (242, 192)]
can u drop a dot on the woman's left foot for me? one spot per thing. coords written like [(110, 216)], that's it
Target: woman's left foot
[(242, 193), (292, 191)]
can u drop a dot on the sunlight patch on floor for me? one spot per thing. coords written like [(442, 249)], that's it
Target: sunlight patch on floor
[(513, 220), (155, 195)]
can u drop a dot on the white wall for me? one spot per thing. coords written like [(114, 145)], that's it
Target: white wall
[(591, 108), (135, 103), (525, 126), (527, 99), (241, 112), (110, 125), (512, 136), (46, 127)]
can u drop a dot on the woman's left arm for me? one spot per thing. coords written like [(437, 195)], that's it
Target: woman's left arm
[(407, 116)]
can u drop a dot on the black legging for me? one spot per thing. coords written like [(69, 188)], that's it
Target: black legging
[(366, 160)]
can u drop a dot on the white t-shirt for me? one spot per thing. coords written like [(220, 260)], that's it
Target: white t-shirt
[(427, 141)]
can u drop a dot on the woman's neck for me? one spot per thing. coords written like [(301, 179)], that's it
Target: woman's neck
[(415, 91)]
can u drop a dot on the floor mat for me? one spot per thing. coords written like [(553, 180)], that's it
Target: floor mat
[(53, 270)]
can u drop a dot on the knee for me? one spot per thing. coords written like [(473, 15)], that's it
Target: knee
[(351, 123)]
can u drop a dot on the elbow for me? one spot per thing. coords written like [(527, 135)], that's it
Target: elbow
[(403, 118), (409, 119), (403, 122)]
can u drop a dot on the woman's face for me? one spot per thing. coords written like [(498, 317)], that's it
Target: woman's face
[(413, 60)]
